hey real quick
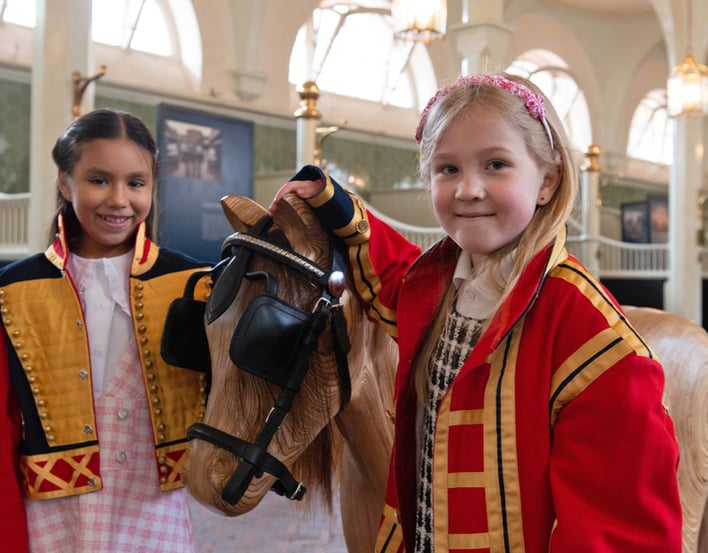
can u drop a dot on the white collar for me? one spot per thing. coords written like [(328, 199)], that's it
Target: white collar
[(478, 294)]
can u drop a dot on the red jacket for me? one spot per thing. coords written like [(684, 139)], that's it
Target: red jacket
[(552, 438)]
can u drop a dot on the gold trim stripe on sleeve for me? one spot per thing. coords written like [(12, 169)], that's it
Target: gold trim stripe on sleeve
[(576, 275), (584, 366), (325, 195), (368, 286), (390, 536)]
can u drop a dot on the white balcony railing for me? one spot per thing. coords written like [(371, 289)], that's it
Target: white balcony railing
[(14, 241), (624, 259)]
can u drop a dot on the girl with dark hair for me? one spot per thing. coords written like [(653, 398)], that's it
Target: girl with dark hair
[(93, 432)]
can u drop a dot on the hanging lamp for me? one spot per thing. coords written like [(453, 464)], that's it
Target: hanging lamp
[(687, 86), (419, 20)]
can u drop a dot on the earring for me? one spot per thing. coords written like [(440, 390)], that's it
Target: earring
[(541, 198)]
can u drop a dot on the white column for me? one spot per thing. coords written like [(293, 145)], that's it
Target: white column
[(481, 37), (590, 198), (682, 293), (62, 45)]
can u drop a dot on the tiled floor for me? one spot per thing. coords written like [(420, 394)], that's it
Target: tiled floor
[(277, 525)]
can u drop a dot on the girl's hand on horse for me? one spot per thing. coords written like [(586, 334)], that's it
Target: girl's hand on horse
[(302, 188)]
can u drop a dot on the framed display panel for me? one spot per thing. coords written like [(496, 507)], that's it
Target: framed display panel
[(203, 157), (635, 222), (658, 219)]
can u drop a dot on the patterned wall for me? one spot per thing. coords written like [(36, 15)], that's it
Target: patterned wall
[(274, 147), (14, 136)]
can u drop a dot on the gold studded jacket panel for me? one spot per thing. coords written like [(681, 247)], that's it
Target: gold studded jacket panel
[(174, 406), (49, 364), (43, 332)]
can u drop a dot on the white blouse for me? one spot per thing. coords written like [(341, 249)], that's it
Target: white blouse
[(103, 291)]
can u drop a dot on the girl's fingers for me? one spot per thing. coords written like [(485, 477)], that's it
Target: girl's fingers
[(302, 188)]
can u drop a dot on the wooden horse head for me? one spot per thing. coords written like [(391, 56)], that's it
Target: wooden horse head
[(278, 323)]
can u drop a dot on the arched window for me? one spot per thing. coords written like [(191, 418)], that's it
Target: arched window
[(18, 12), (348, 48), (151, 26), (550, 73), (144, 26), (650, 134)]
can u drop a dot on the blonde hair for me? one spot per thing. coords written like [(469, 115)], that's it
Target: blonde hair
[(551, 152)]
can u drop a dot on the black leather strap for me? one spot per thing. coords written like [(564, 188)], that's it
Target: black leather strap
[(251, 454)]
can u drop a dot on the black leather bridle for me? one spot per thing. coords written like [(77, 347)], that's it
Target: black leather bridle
[(273, 340)]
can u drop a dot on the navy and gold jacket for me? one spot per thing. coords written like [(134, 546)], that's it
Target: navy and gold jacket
[(48, 362)]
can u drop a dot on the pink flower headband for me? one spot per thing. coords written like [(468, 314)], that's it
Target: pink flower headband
[(534, 102)]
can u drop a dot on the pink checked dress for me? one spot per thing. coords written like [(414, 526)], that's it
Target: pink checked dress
[(130, 513)]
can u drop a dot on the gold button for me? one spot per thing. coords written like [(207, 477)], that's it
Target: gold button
[(139, 305), (15, 333), (362, 226), (143, 340), (142, 329), (140, 316), (139, 286)]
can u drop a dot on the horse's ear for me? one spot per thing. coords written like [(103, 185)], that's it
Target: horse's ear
[(241, 212), (299, 223)]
